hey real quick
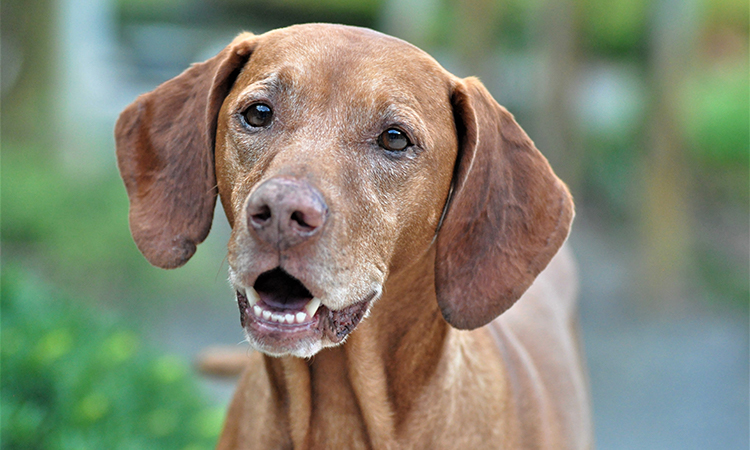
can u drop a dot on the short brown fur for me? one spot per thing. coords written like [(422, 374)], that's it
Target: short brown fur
[(439, 243)]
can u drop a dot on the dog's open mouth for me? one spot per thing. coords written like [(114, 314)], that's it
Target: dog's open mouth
[(279, 309), (278, 298)]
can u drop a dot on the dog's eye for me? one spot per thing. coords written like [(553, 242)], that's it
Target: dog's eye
[(258, 115), (394, 140)]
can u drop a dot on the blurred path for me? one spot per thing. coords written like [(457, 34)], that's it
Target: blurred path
[(658, 382)]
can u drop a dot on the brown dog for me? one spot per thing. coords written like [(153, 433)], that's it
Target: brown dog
[(375, 196)]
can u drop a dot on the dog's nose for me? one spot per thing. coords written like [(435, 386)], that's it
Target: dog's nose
[(285, 212)]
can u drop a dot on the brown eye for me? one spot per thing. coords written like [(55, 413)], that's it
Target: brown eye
[(394, 140), (258, 115)]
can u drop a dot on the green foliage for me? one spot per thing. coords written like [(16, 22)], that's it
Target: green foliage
[(245, 13), (359, 6), (716, 116), (73, 378), (614, 26), (724, 282), (75, 231), (611, 176), (58, 219), (727, 13)]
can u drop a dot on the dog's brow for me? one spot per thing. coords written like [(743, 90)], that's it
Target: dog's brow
[(270, 82), (400, 112)]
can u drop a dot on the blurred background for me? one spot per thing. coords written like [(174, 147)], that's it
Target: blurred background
[(641, 106)]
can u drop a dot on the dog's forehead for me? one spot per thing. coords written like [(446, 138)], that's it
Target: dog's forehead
[(336, 56)]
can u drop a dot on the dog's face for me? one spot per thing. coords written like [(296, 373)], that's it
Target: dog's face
[(325, 127), (335, 150)]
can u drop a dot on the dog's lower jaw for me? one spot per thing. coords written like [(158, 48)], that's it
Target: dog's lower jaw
[(328, 328)]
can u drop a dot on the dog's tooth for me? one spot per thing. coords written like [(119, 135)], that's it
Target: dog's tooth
[(312, 306), (289, 318), (300, 316), (252, 296), (267, 315), (277, 318), (257, 310)]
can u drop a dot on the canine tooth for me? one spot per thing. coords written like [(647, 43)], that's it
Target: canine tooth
[(289, 318), (252, 296), (301, 317), (267, 315), (257, 310), (312, 306)]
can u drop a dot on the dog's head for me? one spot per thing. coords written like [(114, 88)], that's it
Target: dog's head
[(341, 156)]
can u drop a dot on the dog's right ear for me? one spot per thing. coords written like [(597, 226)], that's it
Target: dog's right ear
[(165, 153)]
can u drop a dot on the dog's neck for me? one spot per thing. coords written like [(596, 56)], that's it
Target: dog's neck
[(383, 365)]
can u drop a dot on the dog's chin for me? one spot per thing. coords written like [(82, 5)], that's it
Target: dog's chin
[(281, 317), (303, 348)]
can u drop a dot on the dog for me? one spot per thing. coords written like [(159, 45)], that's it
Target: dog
[(395, 248)]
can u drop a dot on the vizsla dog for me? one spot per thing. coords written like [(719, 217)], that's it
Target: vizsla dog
[(393, 247)]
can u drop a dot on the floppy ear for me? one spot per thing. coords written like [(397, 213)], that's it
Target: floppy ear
[(165, 152), (508, 213)]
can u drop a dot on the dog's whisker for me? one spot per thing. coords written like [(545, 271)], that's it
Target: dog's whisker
[(221, 264)]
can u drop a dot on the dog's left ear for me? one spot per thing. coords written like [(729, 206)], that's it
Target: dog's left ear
[(508, 213), (165, 152)]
